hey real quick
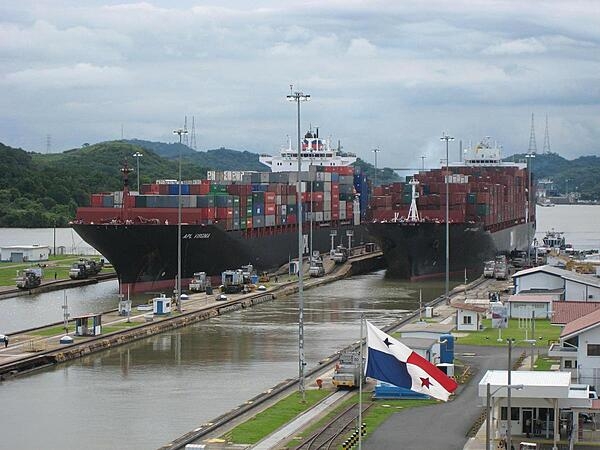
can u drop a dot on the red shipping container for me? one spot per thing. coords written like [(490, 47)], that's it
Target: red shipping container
[(270, 197), (96, 200), (270, 209)]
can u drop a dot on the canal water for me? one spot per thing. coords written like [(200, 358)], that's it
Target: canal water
[(144, 394)]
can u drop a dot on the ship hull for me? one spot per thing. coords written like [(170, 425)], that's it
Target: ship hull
[(418, 250), (145, 257)]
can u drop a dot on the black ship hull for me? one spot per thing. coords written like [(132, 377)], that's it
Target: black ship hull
[(145, 257), (418, 250)]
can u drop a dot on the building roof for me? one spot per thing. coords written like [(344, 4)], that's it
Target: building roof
[(24, 247), (538, 291), (565, 312), (427, 327), (581, 324), (536, 384), (590, 280), (416, 343), (545, 269), (469, 307), (519, 298)]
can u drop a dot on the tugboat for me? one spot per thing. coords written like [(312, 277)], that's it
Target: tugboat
[(554, 240)]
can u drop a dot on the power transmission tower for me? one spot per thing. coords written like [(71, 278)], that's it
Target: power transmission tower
[(185, 136), (193, 135), (546, 138), (532, 144), (48, 143)]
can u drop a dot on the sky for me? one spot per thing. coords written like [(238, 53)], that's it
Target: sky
[(391, 75)]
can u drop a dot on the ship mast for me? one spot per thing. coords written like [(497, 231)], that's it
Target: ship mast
[(125, 171), (413, 213)]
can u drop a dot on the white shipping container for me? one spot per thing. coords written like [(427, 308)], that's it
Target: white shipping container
[(327, 215), (342, 213), (319, 216)]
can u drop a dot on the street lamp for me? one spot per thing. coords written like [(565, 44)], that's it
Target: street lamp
[(180, 132), (375, 150), (299, 97), (137, 156), (488, 415), (447, 138), (529, 157)]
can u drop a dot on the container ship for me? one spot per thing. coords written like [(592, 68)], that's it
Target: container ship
[(488, 213), (229, 219)]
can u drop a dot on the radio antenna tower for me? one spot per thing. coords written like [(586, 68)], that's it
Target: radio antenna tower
[(193, 135), (532, 144), (185, 136), (48, 143), (546, 138)]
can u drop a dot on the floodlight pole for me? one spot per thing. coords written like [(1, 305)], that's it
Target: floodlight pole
[(180, 132), (447, 138), (299, 97), (137, 156)]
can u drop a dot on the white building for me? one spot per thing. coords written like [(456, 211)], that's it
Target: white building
[(530, 306), (24, 253), (560, 283), (469, 316), (541, 279), (579, 348), (581, 288), (534, 405)]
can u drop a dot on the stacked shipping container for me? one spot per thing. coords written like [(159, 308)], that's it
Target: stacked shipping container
[(242, 200), (493, 195)]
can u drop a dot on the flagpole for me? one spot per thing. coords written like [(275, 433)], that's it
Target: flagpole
[(360, 378)]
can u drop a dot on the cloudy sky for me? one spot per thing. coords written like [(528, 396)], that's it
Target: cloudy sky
[(382, 74)]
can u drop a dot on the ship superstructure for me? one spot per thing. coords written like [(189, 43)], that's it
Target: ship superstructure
[(316, 151)]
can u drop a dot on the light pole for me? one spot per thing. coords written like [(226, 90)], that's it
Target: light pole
[(375, 150), (180, 132), (299, 97), (137, 156), (423, 163), (529, 157), (488, 415), (447, 138)]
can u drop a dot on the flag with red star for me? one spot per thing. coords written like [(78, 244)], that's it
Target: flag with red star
[(393, 362)]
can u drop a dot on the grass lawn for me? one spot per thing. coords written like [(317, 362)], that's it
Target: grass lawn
[(56, 264), (544, 334), (268, 421), (544, 363), (53, 331)]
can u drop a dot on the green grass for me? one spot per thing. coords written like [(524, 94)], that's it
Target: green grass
[(53, 331), (266, 422), (544, 363), (544, 333), (56, 264)]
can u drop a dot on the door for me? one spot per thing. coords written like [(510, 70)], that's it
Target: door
[(527, 422)]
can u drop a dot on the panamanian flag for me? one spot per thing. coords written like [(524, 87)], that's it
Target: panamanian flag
[(393, 362)]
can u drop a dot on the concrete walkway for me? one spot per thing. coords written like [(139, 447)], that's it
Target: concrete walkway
[(300, 422)]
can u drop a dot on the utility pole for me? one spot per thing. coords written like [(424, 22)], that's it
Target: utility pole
[(300, 97), (179, 132), (447, 138)]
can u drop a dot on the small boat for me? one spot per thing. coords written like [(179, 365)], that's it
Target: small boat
[(545, 202)]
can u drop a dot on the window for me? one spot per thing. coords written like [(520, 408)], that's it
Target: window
[(568, 364), (593, 350), (514, 413), (467, 320)]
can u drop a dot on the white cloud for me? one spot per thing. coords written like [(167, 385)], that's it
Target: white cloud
[(66, 77), (516, 47)]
